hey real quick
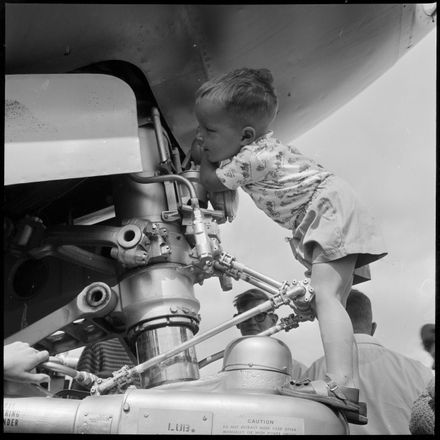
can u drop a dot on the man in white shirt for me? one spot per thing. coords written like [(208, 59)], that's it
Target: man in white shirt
[(389, 381)]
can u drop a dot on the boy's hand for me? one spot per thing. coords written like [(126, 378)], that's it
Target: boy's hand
[(208, 176), (18, 361), (196, 150)]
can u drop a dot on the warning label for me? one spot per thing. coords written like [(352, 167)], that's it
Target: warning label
[(258, 425)]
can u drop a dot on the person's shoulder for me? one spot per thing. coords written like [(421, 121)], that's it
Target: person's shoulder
[(412, 363), (266, 142), (268, 148)]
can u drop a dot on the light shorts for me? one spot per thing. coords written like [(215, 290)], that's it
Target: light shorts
[(335, 224)]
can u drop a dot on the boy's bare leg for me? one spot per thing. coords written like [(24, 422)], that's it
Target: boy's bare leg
[(332, 283)]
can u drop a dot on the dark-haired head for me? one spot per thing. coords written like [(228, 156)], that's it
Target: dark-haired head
[(427, 333), (241, 300), (359, 310)]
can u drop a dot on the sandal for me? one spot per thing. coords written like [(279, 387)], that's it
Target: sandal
[(345, 399)]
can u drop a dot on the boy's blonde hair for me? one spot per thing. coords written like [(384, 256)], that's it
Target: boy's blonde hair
[(247, 93)]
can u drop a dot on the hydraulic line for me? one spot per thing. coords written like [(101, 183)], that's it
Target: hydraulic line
[(163, 152), (167, 178), (82, 377)]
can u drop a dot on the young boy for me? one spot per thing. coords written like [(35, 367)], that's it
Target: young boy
[(333, 234)]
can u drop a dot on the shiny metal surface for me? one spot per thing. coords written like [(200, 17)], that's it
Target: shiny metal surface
[(255, 381), (320, 55), (183, 366), (174, 412), (39, 415), (257, 353), (159, 290), (137, 200), (161, 312)]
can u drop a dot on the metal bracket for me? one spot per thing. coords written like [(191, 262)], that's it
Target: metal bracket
[(302, 305), (78, 323), (121, 378)]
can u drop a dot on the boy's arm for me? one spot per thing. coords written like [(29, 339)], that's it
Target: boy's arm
[(208, 176)]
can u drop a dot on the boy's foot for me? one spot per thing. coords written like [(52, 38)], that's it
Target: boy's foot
[(344, 398)]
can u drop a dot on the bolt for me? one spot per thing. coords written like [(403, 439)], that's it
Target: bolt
[(173, 309), (126, 407)]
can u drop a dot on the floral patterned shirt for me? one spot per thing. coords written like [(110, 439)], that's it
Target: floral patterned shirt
[(279, 179)]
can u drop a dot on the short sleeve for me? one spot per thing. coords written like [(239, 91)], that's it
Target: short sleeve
[(248, 166)]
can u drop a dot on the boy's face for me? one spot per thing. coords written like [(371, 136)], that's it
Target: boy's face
[(222, 136)]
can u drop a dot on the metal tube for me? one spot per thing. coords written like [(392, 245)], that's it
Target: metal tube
[(260, 284), (247, 270), (248, 278), (96, 216), (183, 366), (166, 178), (271, 331), (214, 357), (163, 152), (267, 305), (160, 311), (177, 162), (59, 368), (42, 415)]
